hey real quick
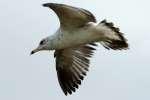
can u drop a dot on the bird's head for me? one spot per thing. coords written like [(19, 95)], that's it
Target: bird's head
[(43, 45)]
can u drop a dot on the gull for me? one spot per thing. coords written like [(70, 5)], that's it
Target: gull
[(75, 42)]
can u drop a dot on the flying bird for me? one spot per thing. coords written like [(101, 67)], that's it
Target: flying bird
[(75, 42)]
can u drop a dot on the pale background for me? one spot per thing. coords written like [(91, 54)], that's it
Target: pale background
[(113, 75)]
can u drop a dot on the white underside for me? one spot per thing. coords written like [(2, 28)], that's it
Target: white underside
[(90, 33)]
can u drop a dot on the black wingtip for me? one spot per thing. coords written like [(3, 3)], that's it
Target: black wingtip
[(66, 94), (45, 4), (51, 5), (48, 4)]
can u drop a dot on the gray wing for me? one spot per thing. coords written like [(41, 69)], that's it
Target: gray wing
[(72, 65), (71, 17)]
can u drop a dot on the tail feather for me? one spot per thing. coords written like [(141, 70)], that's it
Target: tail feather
[(112, 43)]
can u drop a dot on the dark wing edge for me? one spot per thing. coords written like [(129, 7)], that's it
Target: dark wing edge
[(72, 65)]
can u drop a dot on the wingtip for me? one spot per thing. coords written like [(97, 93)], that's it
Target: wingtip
[(49, 4), (45, 4), (66, 94)]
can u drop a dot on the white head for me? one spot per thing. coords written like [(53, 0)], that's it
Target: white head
[(45, 44)]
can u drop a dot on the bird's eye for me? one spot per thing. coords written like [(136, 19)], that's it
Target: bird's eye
[(42, 42)]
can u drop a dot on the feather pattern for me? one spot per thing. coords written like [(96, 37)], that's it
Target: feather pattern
[(72, 65)]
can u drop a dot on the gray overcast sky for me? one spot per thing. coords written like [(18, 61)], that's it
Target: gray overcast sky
[(113, 75)]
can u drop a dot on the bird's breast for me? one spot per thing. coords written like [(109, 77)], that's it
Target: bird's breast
[(70, 39)]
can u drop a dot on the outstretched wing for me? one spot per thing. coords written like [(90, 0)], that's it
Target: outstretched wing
[(72, 65), (71, 17)]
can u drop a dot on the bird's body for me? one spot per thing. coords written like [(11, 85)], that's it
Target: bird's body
[(74, 43), (91, 32), (70, 38)]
